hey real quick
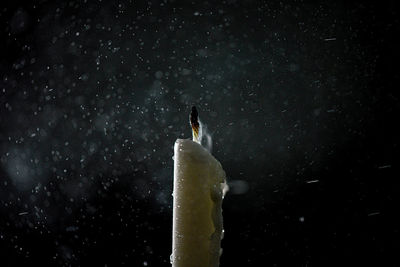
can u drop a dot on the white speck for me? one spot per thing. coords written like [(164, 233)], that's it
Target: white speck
[(145, 263), (71, 228), (312, 181), (384, 166), (238, 187), (158, 74), (23, 213), (330, 39), (374, 213), (197, 13), (301, 219), (186, 72)]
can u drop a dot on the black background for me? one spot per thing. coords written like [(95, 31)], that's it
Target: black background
[(301, 99)]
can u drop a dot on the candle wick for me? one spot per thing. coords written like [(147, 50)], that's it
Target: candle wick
[(194, 122)]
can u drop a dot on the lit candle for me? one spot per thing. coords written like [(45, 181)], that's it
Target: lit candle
[(199, 187)]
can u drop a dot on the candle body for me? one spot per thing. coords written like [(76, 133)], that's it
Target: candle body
[(199, 186)]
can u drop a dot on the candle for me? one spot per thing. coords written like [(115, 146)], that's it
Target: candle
[(199, 187)]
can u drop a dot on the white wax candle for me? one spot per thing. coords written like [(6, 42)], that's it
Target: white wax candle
[(199, 186)]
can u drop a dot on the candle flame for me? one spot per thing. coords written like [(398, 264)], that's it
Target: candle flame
[(199, 131), (194, 122)]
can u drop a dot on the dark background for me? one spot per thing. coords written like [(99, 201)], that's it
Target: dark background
[(301, 99)]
